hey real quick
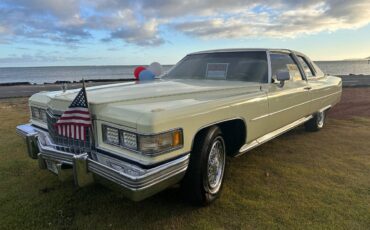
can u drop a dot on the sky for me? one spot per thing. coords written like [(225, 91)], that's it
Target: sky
[(129, 32)]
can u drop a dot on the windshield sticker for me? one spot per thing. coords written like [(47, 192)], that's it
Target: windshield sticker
[(217, 70)]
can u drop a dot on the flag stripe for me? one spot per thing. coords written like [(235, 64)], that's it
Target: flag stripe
[(78, 110), (77, 121), (76, 114), (73, 131), (77, 133), (82, 133), (75, 117)]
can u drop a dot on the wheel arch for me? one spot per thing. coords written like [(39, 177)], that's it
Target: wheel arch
[(230, 128)]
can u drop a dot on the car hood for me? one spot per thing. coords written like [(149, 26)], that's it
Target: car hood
[(125, 103), (151, 90)]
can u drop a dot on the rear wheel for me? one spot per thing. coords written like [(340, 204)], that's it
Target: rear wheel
[(316, 123), (204, 178)]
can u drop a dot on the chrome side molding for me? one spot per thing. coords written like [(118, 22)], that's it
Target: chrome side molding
[(325, 108), (272, 135)]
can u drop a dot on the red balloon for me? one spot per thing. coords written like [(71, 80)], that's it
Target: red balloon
[(138, 70)]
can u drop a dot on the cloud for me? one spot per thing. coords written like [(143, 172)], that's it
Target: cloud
[(144, 22), (133, 30), (41, 19), (281, 20), (142, 35), (226, 28)]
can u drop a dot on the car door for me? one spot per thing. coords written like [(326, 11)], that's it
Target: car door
[(289, 102), (317, 82)]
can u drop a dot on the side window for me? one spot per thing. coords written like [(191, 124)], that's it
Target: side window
[(284, 62), (319, 72), (307, 69)]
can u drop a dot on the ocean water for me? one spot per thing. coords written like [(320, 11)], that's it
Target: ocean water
[(40, 75), (345, 67)]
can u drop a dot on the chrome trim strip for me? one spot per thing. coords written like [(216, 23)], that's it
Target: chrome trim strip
[(288, 108), (325, 108), (53, 154), (272, 135), (326, 96), (291, 107), (260, 117), (148, 179), (279, 111)]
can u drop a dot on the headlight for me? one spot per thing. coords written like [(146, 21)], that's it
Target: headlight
[(145, 144), (129, 140), (38, 114), (111, 135)]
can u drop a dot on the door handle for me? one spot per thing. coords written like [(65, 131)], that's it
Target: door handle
[(307, 88)]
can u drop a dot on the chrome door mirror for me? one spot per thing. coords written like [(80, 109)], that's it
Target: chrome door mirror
[(282, 76)]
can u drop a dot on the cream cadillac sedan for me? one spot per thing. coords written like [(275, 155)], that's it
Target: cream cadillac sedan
[(146, 136)]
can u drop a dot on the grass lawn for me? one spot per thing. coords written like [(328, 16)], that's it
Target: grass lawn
[(299, 180)]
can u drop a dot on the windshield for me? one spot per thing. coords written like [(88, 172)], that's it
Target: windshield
[(232, 66)]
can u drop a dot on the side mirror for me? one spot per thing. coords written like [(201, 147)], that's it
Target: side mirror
[(282, 76)]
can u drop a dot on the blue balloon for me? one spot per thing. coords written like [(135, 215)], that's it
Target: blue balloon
[(146, 75)]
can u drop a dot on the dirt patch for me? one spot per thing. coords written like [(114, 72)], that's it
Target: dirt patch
[(355, 102)]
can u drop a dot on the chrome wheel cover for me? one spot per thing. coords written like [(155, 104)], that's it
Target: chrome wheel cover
[(216, 165), (320, 119)]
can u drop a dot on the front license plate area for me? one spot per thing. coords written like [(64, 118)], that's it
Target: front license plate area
[(51, 166)]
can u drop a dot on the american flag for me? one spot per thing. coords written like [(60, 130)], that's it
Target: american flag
[(76, 120)]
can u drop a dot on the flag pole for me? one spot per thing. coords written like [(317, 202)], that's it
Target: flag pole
[(92, 138)]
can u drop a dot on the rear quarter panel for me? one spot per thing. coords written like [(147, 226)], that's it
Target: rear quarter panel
[(326, 91)]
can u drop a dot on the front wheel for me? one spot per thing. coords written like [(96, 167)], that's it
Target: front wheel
[(204, 178), (316, 123)]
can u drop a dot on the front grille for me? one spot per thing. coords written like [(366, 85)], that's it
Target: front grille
[(64, 143)]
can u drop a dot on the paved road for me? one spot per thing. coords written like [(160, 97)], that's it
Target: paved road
[(28, 90)]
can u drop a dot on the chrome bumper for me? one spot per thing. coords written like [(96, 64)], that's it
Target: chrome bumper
[(137, 182)]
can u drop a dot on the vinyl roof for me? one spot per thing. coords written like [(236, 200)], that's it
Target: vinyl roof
[(242, 50)]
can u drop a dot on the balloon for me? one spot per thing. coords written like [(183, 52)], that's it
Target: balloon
[(146, 75), (156, 68), (138, 70)]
